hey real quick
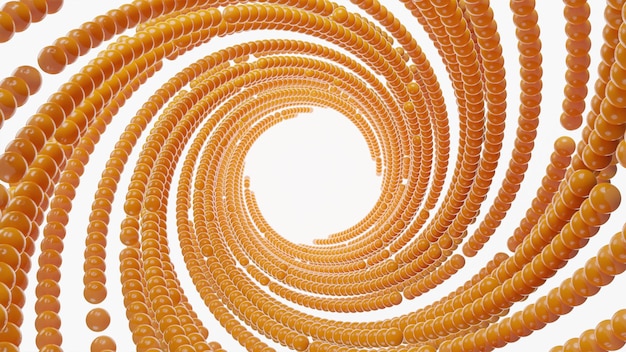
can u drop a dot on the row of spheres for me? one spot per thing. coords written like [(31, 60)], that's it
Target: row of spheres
[(243, 270)]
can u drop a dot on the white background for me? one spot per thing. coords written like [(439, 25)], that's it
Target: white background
[(312, 175)]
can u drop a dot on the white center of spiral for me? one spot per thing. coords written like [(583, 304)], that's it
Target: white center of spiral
[(312, 175)]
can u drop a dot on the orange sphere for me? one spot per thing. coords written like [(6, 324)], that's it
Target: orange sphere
[(18, 88), (97, 319), (7, 27), (20, 13), (48, 336), (52, 59), (12, 167), (95, 292), (102, 344)]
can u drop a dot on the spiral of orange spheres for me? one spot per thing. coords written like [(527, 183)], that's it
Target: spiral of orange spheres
[(265, 291)]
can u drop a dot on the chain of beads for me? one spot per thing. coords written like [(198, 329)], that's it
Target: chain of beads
[(377, 76)]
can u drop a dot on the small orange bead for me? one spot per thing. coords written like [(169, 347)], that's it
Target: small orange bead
[(102, 344), (8, 104), (18, 88), (20, 13), (7, 27), (12, 167), (52, 59)]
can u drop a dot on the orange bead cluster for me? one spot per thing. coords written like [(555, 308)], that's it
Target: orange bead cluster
[(189, 140)]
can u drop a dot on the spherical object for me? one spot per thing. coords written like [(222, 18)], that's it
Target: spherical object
[(605, 198), (12, 167), (67, 133), (581, 182), (7, 27), (49, 336), (300, 343), (20, 13), (102, 344), (52, 59), (37, 8), (231, 14), (95, 292), (98, 319), (8, 104), (18, 88)]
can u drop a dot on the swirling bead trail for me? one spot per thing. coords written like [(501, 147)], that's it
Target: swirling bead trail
[(175, 177)]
